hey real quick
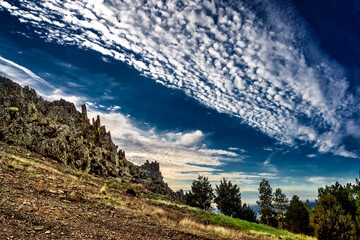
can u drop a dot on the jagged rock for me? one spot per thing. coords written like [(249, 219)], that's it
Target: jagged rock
[(180, 195), (58, 131), (156, 184)]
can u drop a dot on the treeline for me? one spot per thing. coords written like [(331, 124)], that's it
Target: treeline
[(227, 197), (336, 214)]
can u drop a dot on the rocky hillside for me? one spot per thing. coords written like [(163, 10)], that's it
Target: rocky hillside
[(58, 131), (61, 177)]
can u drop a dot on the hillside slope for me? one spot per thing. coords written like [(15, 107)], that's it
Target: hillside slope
[(41, 198), (58, 131), (63, 178)]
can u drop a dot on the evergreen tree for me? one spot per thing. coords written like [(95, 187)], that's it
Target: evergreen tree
[(343, 194), (356, 191), (330, 220), (357, 215), (308, 206), (310, 210), (228, 198), (266, 204), (201, 194), (280, 205), (247, 213), (297, 216)]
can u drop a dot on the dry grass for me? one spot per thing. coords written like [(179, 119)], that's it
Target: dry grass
[(158, 212), (175, 215), (102, 191), (198, 228)]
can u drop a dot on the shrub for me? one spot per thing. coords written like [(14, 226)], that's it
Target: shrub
[(330, 220)]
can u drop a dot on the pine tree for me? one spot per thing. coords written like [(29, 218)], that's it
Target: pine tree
[(228, 198), (280, 205), (266, 204), (247, 213), (201, 194), (330, 220), (356, 191), (308, 206), (343, 194), (297, 216)]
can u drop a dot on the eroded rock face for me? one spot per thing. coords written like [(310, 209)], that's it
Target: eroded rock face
[(57, 130), (152, 171)]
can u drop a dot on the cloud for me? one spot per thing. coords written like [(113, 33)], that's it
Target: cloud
[(25, 77), (321, 180), (181, 154), (223, 55), (267, 165), (341, 151), (237, 149), (257, 75), (187, 139), (180, 163)]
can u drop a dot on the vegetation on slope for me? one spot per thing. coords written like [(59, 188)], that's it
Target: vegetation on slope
[(41, 198)]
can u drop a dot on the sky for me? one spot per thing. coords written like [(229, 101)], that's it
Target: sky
[(242, 90)]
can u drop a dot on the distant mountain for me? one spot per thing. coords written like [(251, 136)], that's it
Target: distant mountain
[(58, 131)]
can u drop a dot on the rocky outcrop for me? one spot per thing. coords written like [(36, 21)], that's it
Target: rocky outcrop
[(57, 130), (180, 195), (151, 171)]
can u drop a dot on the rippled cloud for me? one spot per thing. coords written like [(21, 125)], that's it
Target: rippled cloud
[(225, 56)]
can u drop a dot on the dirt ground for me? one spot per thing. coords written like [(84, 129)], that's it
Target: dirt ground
[(42, 200)]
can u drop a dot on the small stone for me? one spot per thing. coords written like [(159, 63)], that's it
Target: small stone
[(39, 228), (27, 204), (47, 232)]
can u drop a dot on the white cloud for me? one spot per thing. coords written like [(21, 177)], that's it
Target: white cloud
[(180, 163), (234, 65), (187, 139), (25, 77), (267, 163), (321, 180), (237, 149), (177, 152)]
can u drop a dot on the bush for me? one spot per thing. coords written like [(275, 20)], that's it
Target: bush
[(330, 220)]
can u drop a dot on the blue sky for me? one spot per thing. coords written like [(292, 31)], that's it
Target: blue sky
[(238, 89)]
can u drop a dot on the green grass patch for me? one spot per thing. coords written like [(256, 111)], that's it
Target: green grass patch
[(70, 172), (154, 196), (226, 221), (14, 108), (111, 200)]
